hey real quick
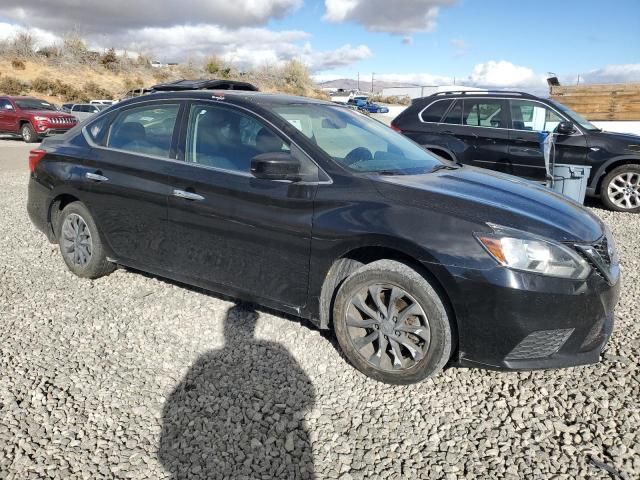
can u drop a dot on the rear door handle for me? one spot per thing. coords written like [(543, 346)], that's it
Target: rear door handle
[(96, 177), (187, 195)]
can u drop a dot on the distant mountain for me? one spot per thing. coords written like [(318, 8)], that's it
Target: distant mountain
[(365, 86)]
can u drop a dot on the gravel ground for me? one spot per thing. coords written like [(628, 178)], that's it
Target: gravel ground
[(131, 376)]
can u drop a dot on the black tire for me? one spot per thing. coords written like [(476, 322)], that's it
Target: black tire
[(28, 134), (434, 354), (92, 263), (615, 194)]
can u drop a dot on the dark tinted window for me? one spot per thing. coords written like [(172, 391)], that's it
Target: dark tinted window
[(147, 130), (5, 104), (434, 112), (455, 114), (484, 113), (228, 139)]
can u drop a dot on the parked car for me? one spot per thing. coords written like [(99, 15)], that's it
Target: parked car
[(367, 106), (32, 119), (67, 107), (309, 208), (82, 111), (501, 131)]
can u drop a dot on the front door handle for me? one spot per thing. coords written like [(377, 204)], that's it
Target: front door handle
[(187, 195), (96, 177)]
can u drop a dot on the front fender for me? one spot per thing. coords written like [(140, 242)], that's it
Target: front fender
[(601, 171)]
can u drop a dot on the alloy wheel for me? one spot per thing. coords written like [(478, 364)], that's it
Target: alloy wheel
[(388, 327), (77, 245), (26, 134), (624, 190)]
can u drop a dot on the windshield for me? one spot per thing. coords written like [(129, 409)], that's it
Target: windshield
[(576, 117), (358, 142), (33, 104)]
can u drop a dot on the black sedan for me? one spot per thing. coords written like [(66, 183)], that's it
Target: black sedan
[(321, 212)]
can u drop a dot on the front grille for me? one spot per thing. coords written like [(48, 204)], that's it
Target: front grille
[(62, 120), (597, 254), (540, 344)]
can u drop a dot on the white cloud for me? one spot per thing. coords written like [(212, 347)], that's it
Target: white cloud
[(629, 72), (460, 46), (398, 17), (503, 74), (41, 37), (105, 16), (415, 78), (245, 47)]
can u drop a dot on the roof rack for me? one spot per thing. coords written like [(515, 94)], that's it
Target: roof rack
[(485, 92), (184, 85)]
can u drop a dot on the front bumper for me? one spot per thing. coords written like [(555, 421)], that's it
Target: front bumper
[(519, 321)]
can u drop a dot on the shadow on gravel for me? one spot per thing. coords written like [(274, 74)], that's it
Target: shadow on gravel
[(239, 411)]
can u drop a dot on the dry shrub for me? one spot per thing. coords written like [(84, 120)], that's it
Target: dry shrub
[(392, 99), (161, 76), (133, 83), (93, 91), (13, 86), (23, 45), (43, 85), (109, 59), (18, 64)]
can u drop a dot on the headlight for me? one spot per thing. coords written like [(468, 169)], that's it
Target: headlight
[(530, 253), (611, 246), (40, 119)]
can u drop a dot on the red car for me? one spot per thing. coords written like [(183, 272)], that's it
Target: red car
[(32, 118)]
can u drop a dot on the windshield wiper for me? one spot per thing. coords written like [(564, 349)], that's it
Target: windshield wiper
[(443, 167)]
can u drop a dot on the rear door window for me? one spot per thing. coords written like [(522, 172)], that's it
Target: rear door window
[(484, 113), (454, 116), (434, 112), (146, 130)]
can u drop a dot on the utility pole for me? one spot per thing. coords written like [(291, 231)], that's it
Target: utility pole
[(358, 81), (372, 75)]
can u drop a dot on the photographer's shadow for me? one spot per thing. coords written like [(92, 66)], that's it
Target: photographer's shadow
[(239, 411)]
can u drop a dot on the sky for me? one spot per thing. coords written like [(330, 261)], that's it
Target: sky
[(488, 43)]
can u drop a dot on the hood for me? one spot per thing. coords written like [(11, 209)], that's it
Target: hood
[(484, 197), (616, 142), (49, 113)]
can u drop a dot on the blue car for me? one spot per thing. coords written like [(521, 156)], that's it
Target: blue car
[(368, 106)]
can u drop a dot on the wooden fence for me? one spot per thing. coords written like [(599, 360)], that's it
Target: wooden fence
[(616, 101)]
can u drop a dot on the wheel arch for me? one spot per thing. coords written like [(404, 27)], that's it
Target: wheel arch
[(350, 261), (57, 204), (604, 169)]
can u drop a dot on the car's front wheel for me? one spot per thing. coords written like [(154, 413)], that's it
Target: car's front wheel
[(391, 324), (620, 190), (80, 243), (28, 133)]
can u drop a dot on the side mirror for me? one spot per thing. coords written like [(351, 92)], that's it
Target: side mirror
[(565, 128), (275, 166)]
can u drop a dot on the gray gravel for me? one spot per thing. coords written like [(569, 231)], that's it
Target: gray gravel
[(131, 376)]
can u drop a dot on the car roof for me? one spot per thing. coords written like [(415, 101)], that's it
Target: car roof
[(483, 93), (239, 97)]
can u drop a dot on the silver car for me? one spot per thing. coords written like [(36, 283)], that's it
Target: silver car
[(82, 111)]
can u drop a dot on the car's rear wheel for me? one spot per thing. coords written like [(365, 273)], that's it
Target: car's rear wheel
[(620, 190), (80, 243), (28, 133), (391, 324)]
